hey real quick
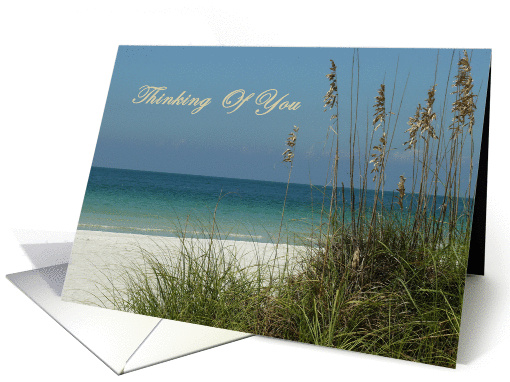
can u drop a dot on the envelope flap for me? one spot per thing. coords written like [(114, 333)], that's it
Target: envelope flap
[(113, 336), (173, 339)]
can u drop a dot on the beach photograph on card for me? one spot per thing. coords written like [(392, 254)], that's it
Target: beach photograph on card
[(320, 195)]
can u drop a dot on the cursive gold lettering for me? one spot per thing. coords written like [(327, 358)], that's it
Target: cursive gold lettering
[(227, 103), (265, 98), (148, 95)]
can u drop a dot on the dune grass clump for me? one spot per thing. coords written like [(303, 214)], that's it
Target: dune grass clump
[(389, 280), (196, 283)]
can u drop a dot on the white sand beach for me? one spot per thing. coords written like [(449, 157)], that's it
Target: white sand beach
[(98, 258)]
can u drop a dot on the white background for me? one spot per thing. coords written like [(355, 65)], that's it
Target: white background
[(56, 62)]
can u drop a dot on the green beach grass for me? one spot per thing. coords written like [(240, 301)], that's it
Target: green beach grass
[(387, 281)]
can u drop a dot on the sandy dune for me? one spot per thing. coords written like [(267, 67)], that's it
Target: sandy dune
[(99, 257)]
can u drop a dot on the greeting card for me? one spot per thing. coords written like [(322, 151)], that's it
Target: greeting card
[(321, 195)]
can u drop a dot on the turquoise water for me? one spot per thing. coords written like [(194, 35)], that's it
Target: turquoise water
[(157, 203), (164, 204)]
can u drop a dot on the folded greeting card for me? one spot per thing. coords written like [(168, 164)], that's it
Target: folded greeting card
[(318, 195)]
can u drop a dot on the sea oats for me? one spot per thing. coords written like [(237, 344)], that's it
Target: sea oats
[(401, 191), (332, 94), (380, 108), (378, 157), (291, 140), (288, 154), (380, 148), (288, 157), (428, 116), (355, 259), (330, 101), (414, 123), (379, 119), (464, 106), (422, 121)]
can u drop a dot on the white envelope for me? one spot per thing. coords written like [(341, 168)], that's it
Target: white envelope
[(123, 341)]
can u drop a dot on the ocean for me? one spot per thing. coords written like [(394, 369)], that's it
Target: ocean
[(166, 204)]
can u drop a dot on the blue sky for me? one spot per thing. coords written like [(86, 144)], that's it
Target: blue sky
[(242, 144)]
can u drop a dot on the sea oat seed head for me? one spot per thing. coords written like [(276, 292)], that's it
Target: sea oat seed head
[(464, 106), (288, 154), (401, 191), (380, 108), (414, 123), (355, 259), (330, 98), (427, 115)]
